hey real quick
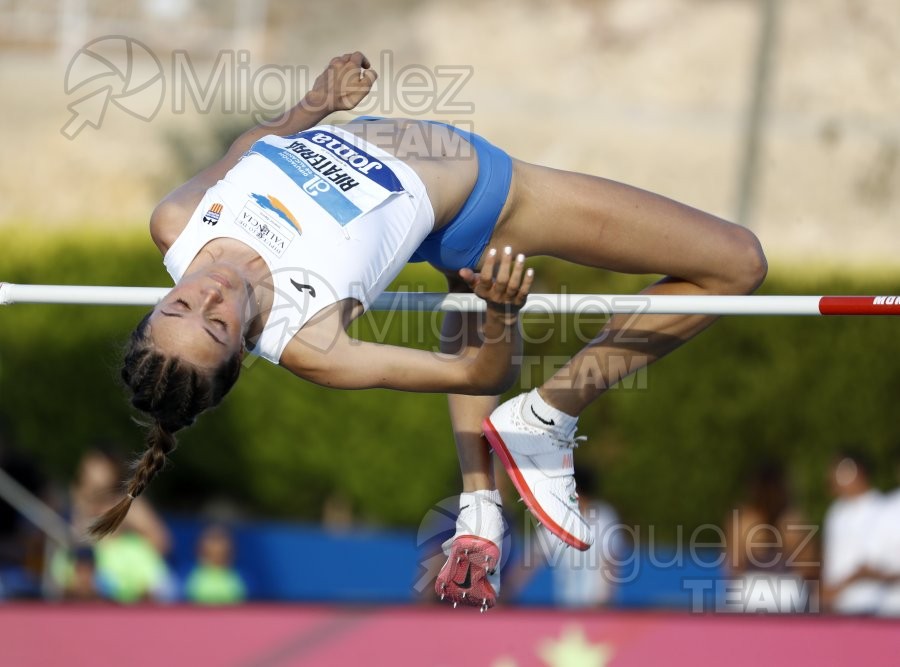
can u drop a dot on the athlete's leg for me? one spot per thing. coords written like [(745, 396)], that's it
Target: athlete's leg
[(459, 335), (597, 222), (471, 574)]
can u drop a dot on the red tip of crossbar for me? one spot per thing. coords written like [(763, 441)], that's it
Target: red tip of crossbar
[(859, 305)]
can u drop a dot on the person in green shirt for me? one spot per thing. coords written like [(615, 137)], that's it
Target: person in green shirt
[(213, 580)]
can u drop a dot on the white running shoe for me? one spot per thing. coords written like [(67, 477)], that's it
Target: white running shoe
[(471, 575), (540, 464)]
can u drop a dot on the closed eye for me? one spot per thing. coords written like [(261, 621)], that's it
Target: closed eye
[(219, 322)]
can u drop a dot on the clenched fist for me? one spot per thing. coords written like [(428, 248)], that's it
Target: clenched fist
[(344, 84)]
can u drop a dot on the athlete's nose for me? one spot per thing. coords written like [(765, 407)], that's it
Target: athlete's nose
[(212, 295)]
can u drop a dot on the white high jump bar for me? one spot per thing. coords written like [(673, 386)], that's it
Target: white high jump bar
[(96, 295)]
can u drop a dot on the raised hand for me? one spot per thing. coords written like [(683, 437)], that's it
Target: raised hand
[(344, 84)]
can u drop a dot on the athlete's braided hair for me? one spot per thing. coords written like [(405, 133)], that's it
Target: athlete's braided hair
[(173, 392)]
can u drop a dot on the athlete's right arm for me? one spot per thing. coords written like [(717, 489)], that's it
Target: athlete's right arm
[(342, 362), (343, 85)]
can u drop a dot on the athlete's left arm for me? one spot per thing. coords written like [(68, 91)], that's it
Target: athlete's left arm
[(323, 353), (343, 85)]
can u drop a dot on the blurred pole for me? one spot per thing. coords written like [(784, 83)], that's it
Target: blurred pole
[(250, 18), (35, 510), (765, 56), (71, 28)]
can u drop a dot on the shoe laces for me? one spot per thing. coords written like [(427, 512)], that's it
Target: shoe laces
[(571, 441)]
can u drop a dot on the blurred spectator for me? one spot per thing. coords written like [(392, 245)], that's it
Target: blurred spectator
[(129, 565), (885, 556), (337, 514), (214, 581), (848, 582), (98, 484), (77, 575), (581, 579), (770, 551)]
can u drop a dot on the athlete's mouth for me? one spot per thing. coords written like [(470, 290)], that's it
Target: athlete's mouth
[(222, 280)]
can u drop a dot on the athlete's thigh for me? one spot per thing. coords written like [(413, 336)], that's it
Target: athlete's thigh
[(598, 222)]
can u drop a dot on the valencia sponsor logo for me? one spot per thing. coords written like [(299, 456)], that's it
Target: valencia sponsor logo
[(272, 203), (269, 229)]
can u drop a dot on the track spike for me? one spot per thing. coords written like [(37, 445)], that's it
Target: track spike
[(442, 597), (454, 604)]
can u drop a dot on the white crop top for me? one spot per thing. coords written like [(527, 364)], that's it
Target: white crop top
[(332, 216)]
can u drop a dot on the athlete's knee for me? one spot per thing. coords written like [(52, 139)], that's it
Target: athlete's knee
[(746, 264)]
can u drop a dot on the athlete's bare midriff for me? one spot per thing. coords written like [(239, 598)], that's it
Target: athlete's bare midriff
[(445, 162)]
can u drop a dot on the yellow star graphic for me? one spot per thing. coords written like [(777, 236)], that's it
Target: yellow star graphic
[(573, 650)]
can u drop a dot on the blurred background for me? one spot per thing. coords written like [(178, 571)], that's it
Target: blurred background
[(753, 471)]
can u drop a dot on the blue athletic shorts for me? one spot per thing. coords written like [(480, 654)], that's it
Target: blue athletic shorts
[(461, 242)]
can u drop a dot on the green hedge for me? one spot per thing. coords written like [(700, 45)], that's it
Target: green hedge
[(671, 452)]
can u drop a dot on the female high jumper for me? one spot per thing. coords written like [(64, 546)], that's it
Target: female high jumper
[(283, 242)]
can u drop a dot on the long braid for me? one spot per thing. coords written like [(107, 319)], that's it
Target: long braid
[(159, 443), (173, 392)]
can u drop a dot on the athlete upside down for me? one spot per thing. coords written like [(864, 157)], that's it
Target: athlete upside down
[(278, 246)]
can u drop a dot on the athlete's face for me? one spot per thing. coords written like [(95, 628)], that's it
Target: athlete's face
[(201, 319)]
